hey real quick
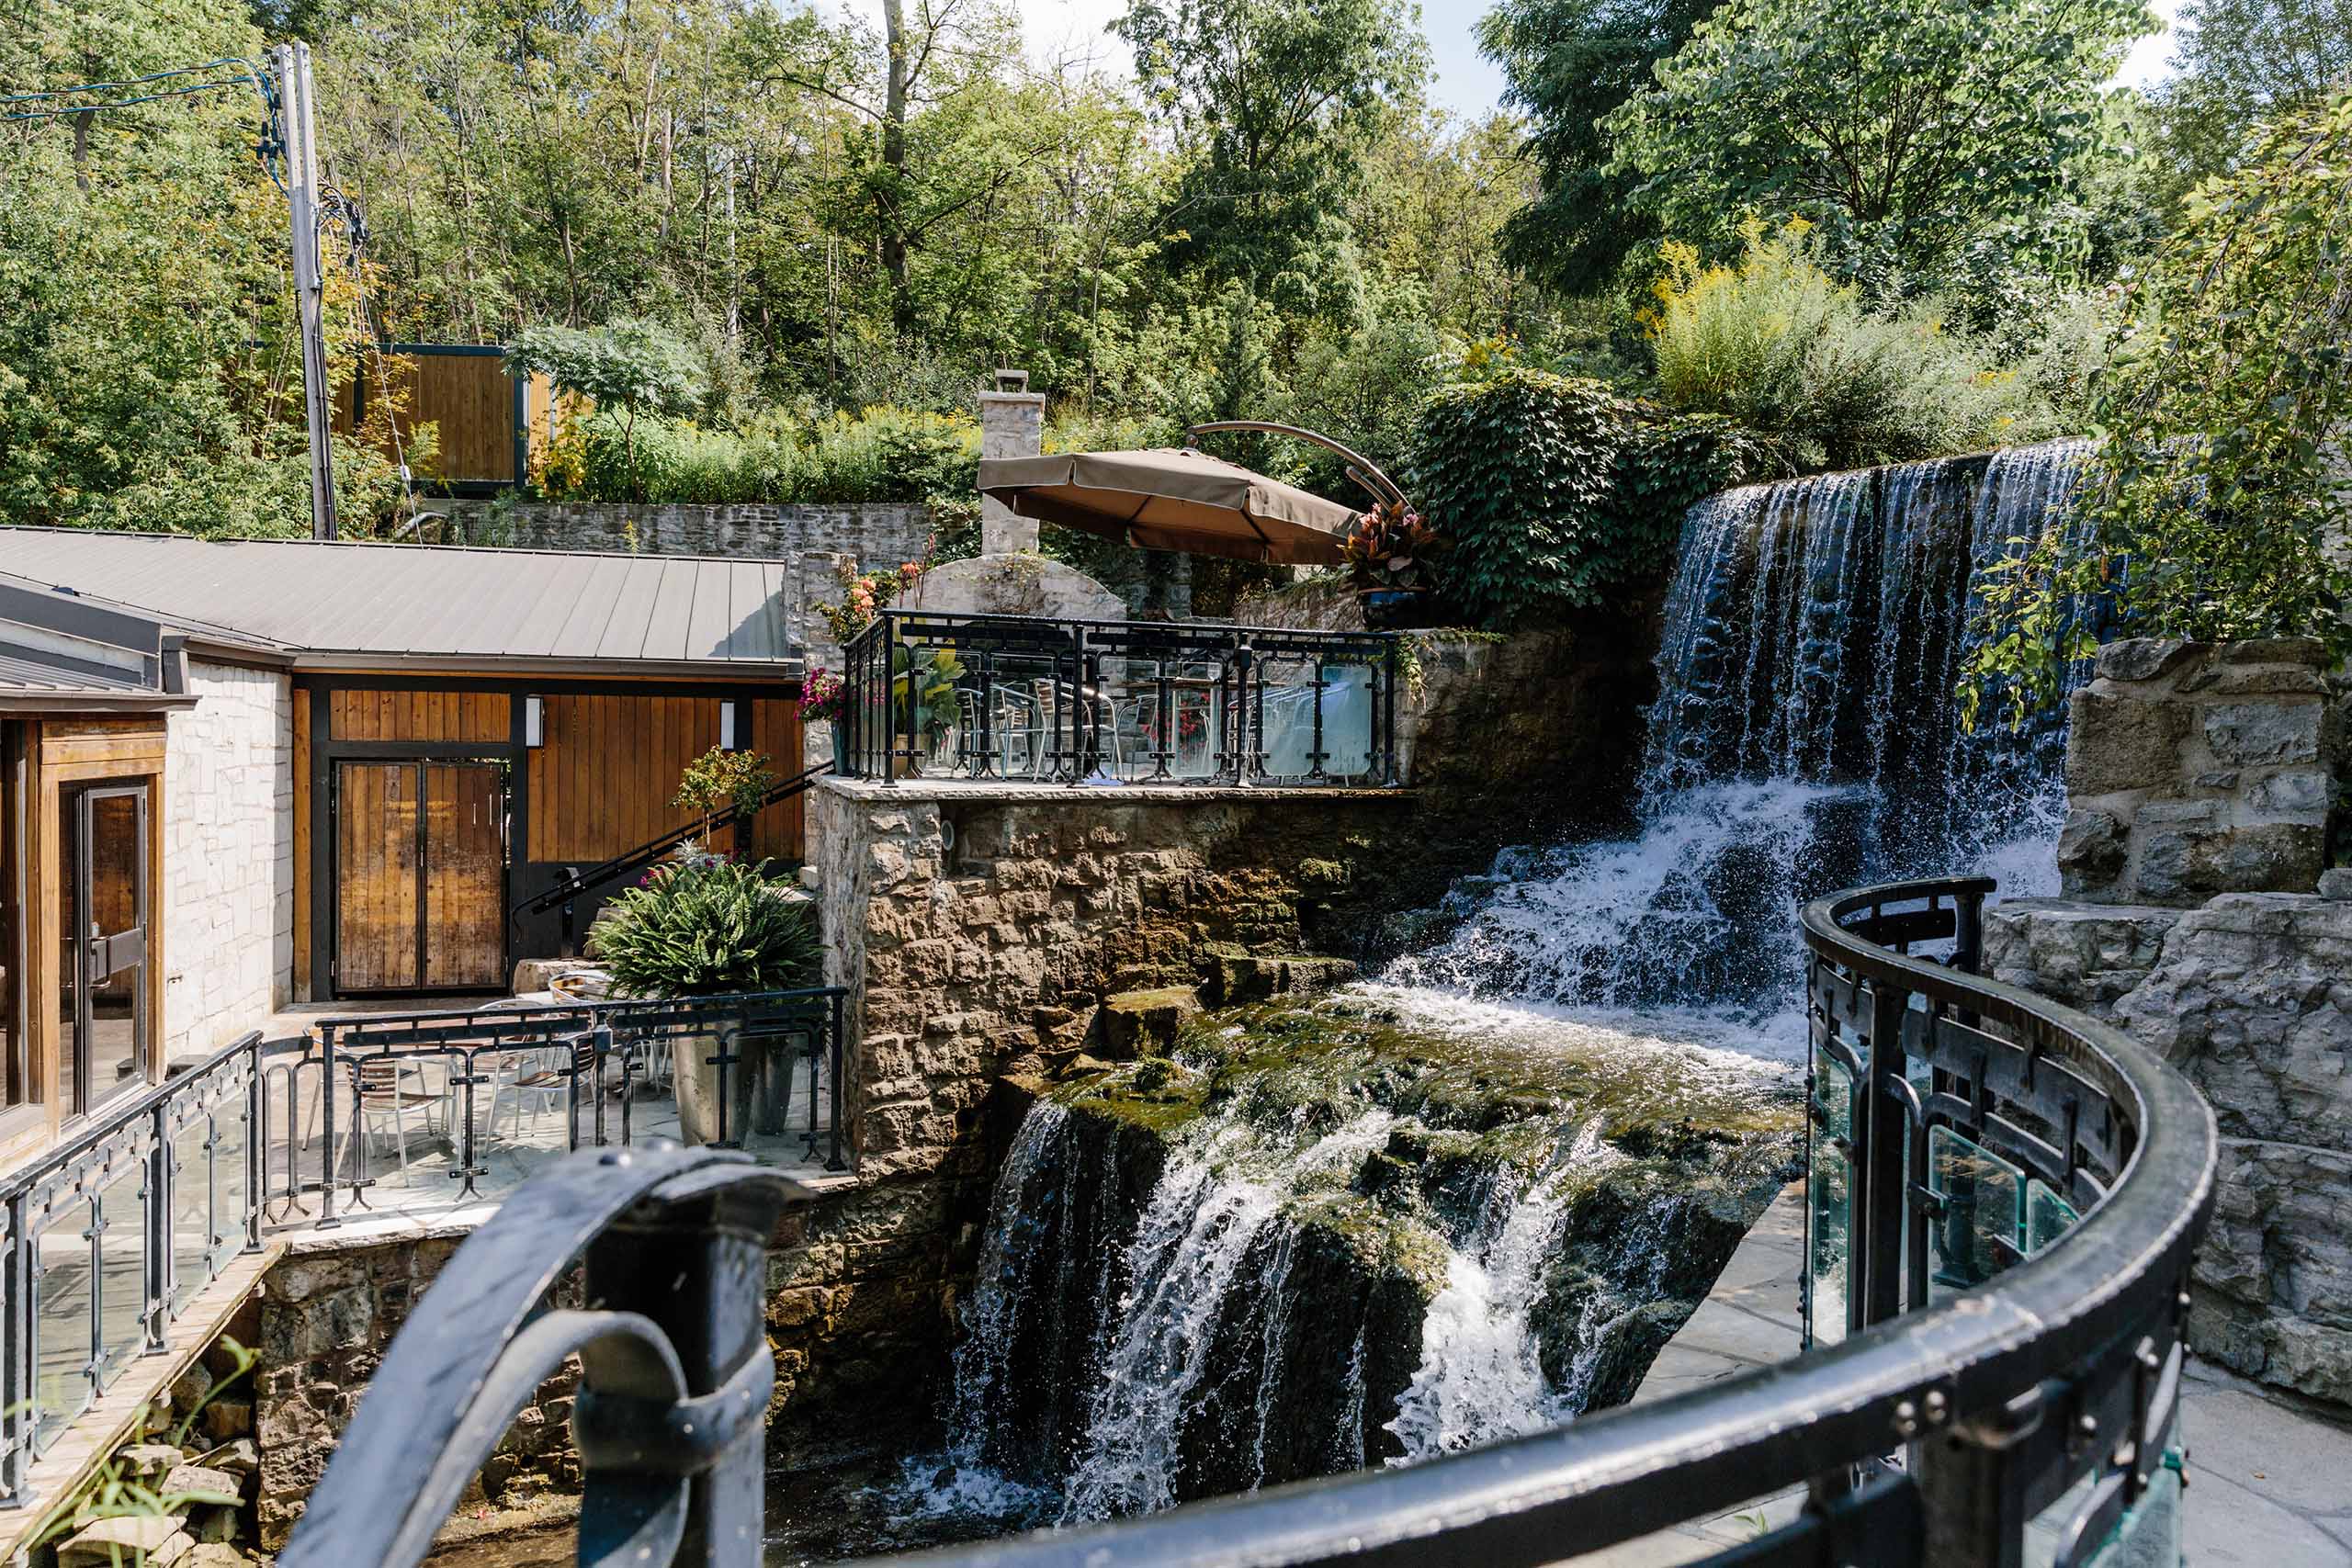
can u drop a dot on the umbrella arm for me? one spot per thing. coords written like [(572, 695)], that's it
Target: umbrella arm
[(1360, 468)]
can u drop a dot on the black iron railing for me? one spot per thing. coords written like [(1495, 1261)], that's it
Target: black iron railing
[(452, 1074), (1027, 698), (1951, 1423), (111, 1234)]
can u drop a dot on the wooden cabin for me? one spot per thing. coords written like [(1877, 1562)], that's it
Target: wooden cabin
[(350, 765)]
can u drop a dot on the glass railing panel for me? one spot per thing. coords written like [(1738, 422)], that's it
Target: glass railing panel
[(1977, 1235), (1829, 1210), (122, 1270), (2047, 1215), (191, 1211), (230, 1181), (61, 1319)]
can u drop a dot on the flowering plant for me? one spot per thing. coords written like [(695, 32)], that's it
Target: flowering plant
[(1390, 547), (822, 696), (863, 593)]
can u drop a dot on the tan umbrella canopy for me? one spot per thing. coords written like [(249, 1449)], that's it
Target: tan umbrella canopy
[(1173, 499)]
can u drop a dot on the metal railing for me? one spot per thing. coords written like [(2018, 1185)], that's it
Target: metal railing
[(590, 1060), (111, 1234), (1952, 1423), (1030, 698)]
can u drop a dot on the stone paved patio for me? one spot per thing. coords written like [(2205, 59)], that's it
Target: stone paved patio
[(2270, 1486)]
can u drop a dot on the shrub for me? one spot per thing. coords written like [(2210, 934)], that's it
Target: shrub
[(706, 927), (1556, 494), (881, 454), (1777, 345)]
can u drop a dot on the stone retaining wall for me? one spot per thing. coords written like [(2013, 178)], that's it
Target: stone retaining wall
[(2202, 917), (2251, 996), (2193, 770), (327, 1318)]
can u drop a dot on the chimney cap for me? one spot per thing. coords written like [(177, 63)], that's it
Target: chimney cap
[(1010, 380)]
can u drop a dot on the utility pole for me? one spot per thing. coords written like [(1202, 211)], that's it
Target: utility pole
[(292, 64)]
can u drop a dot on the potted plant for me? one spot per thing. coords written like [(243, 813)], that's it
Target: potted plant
[(1389, 554), (721, 778), (923, 696), (705, 927), (824, 700)]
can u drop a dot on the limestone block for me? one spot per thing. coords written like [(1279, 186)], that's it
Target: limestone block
[(2299, 792), (2123, 742), (2145, 657), (1136, 1023), (203, 1482), (2092, 848), (2260, 733), (2087, 956), (158, 1541)]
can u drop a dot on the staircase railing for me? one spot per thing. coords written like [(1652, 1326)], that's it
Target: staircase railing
[(564, 894), (1952, 1421)]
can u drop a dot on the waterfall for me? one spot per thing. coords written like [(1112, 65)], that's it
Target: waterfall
[(1806, 736), (1316, 1256)]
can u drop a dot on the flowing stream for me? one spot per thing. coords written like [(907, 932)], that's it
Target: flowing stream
[(1474, 1196)]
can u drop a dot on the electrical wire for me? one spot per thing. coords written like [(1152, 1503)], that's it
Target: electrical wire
[(269, 148)]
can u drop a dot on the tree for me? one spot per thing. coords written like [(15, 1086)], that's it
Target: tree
[(2241, 62), (1274, 103), (1566, 65), (2213, 508), (632, 367), (1902, 129)]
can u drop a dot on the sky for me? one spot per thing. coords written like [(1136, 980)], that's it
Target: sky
[(1466, 82)]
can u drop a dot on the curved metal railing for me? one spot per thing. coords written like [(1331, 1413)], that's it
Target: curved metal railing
[(1952, 1421)]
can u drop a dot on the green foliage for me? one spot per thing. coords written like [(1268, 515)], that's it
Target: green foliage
[(922, 690), (2213, 509), (1275, 101), (1777, 345), (705, 927), (2241, 62), (719, 778), (1903, 129), (1569, 64), (1556, 494), (883, 454), (630, 368)]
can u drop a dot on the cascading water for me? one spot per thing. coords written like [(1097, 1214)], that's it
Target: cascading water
[(1806, 736), (1474, 1198)]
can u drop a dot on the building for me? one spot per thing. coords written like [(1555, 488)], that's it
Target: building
[(262, 771)]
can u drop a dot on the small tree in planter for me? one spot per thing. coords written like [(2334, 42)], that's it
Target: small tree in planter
[(707, 928), (721, 778)]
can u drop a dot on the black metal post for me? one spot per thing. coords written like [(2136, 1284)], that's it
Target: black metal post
[(1884, 1162), (155, 1194), (327, 1221), (834, 1011)]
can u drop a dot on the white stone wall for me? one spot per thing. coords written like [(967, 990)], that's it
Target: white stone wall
[(228, 857)]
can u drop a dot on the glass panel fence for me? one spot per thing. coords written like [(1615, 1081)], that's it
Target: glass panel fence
[(191, 1211), (1829, 1211), (122, 1270), (1984, 1194)]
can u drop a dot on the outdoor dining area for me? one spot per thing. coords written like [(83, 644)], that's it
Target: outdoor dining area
[(1043, 699)]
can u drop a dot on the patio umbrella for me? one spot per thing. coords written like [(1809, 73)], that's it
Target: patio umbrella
[(1172, 498)]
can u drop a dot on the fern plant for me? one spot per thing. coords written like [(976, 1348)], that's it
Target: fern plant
[(707, 928)]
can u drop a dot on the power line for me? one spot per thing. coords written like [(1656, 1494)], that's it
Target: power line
[(268, 149)]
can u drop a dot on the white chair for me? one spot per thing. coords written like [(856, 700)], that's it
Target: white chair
[(540, 1078)]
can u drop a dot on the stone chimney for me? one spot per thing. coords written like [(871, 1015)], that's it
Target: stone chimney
[(1013, 425)]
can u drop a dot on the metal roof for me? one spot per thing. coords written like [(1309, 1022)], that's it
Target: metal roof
[(23, 675), (334, 603)]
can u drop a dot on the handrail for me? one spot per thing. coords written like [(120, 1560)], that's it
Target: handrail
[(652, 850), (79, 1188), (669, 1348), (2062, 1369)]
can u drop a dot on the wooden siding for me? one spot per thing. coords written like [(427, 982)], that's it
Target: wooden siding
[(777, 833), (602, 784), (420, 716)]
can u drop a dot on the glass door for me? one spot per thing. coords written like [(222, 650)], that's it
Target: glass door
[(103, 894)]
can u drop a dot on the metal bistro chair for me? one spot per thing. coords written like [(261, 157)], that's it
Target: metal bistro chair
[(541, 1078), (380, 1095)]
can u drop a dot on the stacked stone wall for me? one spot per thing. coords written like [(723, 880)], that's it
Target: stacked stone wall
[(2195, 768), (228, 831), (327, 1318), (2203, 919)]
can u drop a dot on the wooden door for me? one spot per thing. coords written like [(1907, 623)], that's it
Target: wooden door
[(103, 1020), (465, 875), (420, 875), (378, 854)]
